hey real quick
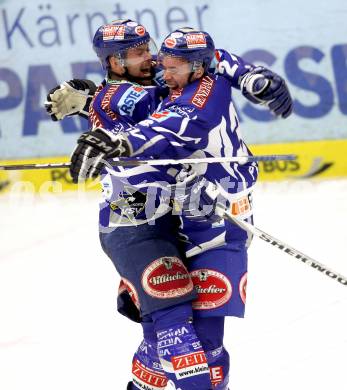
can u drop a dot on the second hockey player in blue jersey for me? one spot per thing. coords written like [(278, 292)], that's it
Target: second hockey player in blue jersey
[(196, 119)]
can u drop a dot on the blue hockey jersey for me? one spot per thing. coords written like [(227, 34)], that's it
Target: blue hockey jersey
[(200, 121), (195, 122)]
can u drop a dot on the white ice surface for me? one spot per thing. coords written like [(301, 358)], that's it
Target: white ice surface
[(59, 329)]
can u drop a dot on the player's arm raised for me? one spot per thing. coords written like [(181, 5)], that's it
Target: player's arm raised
[(262, 86), (257, 83)]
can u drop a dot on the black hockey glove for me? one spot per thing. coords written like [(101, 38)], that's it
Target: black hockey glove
[(196, 197), (72, 97), (262, 86), (93, 149)]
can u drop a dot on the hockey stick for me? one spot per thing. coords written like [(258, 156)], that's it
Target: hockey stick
[(283, 247), (136, 162)]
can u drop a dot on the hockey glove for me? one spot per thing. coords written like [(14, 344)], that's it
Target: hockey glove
[(70, 98), (196, 197), (262, 86), (93, 149)]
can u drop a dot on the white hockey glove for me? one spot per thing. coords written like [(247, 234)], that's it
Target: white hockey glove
[(196, 197), (93, 149), (72, 97), (262, 86)]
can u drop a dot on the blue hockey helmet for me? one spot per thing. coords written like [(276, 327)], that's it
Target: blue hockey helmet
[(115, 38), (195, 46)]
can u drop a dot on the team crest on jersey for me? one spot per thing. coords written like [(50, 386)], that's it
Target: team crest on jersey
[(125, 285), (161, 116), (183, 111), (214, 289), (167, 277), (203, 92), (129, 204), (243, 288), (111, 32), (196, 40)]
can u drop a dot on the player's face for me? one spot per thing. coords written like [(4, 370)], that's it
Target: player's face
[(176, 72), (139, 61)]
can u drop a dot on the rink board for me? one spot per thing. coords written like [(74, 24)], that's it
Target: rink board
[(315, 159)]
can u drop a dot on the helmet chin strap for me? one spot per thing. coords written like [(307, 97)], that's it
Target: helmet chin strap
[(195, 67)]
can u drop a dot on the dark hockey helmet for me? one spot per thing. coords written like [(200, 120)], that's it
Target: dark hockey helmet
[(195, 46), (115, 38)]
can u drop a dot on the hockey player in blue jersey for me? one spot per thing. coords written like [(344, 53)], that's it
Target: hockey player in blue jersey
[(197, 356)]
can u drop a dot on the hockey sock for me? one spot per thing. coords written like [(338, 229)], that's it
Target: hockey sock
[(146, 368), (210, 332), (179, 349)]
